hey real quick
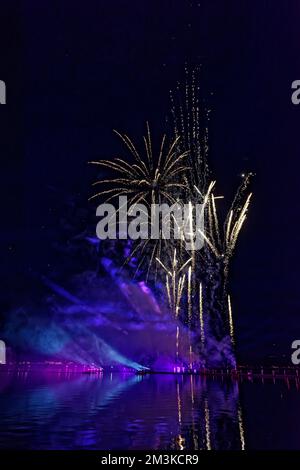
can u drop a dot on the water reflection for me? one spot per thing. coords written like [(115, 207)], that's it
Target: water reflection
[(114, 411)]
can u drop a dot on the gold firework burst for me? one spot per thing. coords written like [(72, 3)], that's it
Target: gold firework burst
[(175, 281), (223, 246), (148, 179)]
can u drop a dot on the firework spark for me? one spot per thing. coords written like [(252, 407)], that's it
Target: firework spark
[(231, 329), (219, 241), (175, 282), (146, 179), (202, 336), (179, 173)]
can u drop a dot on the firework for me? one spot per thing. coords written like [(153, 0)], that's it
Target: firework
[(145, 179), (223, 247), (195, 281), (210, 266), (175, 282), (175, 285), (201, 321), (231, 329)]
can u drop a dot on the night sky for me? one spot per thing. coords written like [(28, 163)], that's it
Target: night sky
[(77, 70)]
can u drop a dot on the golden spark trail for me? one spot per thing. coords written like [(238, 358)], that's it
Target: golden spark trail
[(175, 285), (207, 425), (241, 428), (190, 295), (228, 227), (190, 312), (211, 246), (178, 403), (202, 337), (168, 291), (181, 286), (216, 221), (163, 266), (210, 221), (177, 342), (239, 223), (230, 320)]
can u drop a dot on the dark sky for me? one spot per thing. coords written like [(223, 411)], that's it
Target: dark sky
[(76, 70)]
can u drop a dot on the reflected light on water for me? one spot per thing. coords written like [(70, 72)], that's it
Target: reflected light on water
[(65, 410)]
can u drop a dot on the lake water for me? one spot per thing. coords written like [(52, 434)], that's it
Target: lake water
[(60, 410)]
